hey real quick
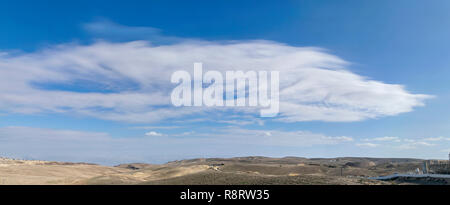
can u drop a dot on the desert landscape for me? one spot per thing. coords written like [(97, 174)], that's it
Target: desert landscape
[(220, 171)]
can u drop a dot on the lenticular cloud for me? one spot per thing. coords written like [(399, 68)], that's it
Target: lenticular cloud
[(130, 81)]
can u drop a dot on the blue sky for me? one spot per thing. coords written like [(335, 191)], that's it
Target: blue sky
[(391, 42)]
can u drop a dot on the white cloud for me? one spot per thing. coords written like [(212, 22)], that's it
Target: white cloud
[(371, 145), (130, 81), (153, 133), (424, 143), (403, 143), (385, 139), (156, 127), (415, 144), (437, 138), (409, 140)]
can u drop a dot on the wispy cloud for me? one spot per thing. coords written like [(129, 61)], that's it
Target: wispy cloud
[(156, 127), (415, 145), (106, 29), (371, 145), (440, 138), (153, 133), (129, 81), (402, 143), (384, 139)]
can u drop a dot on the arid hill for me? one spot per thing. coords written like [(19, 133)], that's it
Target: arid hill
[(239, 170)]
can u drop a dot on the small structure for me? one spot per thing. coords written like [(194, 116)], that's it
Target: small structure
[(436, 166)]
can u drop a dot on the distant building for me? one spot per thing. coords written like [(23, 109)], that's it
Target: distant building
[(436, 166)]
